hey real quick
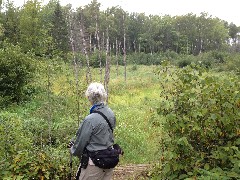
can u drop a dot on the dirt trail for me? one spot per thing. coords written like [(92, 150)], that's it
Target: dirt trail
[(131, 172)]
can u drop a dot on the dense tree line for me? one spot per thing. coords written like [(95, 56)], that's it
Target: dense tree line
[(45, 30)]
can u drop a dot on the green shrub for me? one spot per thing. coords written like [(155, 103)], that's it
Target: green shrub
[(219, 56), (205, 60), (94, 59), (12, 135), (232, 63), (134, 67), (201, 121), (184, 62), (35, 164), (22, 156), (16, 71)]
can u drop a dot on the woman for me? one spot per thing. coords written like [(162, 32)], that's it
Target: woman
[(94, 133)]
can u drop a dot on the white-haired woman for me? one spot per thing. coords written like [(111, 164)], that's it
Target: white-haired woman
[(94, 134)]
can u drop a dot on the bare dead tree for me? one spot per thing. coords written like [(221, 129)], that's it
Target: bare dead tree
[(49, 109), (116, 56), (99, 48), (75, 65), (99, 57), (103, 44), (124, 50), (134, 46), (88, 73), (95, 45), (90, 43), (107, 66)]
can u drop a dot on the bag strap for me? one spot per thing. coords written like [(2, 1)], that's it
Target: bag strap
[(104, 118)]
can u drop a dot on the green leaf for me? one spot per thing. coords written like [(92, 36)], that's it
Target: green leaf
[(238, 141), (206, 166), (19, 177), (183, 176), (167, 168), (213, 116)]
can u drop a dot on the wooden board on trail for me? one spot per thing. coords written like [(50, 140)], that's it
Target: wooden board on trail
[(131, 171)]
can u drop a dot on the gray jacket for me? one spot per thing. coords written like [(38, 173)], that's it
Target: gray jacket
[(94, 132)]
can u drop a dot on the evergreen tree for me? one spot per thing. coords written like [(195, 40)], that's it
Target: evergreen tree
[(11, 23), (59, 30)]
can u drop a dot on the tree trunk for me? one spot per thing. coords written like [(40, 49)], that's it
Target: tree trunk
[(124, 51), (99, 56), (90, 44), (134, 46), (75, 66), (102, 51), (107, 67), (88, 73), (49, 108), (117, 56)]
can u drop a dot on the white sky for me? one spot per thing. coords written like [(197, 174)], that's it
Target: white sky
[(228, 10)]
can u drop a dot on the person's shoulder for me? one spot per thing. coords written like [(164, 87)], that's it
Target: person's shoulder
[(92, 118), (106, 108), (89, 117), (109, 110)]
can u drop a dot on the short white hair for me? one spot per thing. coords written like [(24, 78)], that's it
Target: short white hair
[(96, 93)]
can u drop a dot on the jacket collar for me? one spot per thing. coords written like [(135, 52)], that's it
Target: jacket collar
[(96, 106)]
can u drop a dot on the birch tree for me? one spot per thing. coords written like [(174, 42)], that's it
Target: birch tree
[(107, 66), (124, 50), (70, 21)]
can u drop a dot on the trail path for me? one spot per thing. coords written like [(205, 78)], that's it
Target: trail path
[(131, 172)]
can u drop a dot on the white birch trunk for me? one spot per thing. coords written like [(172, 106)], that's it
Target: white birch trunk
[(75, 66), (124, 51), (107, 67), (116, 56), (88, 73)]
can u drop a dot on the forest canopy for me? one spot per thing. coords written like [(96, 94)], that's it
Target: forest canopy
[(47, 30)]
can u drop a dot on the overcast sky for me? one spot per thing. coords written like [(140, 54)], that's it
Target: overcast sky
[(228, 10)]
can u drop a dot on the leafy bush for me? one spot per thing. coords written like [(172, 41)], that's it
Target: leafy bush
[(134, 68), (16, 70), (144, 59), (21, 155), (203, 59), (12, 135), (94, 59), (232, 63), (201, 120), (219, 56), (185, 60), (35, 164)]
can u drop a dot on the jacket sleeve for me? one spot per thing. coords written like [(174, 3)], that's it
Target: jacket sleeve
[(82, 138)]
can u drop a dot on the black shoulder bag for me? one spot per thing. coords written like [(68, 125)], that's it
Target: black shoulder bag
[(107, 158)]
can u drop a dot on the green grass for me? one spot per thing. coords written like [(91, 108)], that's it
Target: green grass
[(133, 102)]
